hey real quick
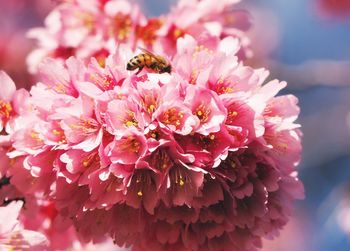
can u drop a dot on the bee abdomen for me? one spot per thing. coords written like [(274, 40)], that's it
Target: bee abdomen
[(134, 63)]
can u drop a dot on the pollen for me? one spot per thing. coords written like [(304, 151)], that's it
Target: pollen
[(130, 144), (181, 182), (139, 193), (56, 132), (162, 161), (153, 134), (88, 160), (129, 123), (135, 146), (106, 82), (34, 135), (179, 179), (194, 77), (231, 116), (130, 120), (223, 90), (60, 88), (85, 126), (172, 117), (151, 108), (202, 112), (178, 33), (5, 110)]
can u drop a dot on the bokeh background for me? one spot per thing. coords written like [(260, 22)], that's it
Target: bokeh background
[(307, 43)]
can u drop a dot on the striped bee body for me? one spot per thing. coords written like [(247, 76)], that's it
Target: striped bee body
[(147, 59)]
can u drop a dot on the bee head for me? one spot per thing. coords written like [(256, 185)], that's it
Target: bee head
[(167, 69), (129, 67)]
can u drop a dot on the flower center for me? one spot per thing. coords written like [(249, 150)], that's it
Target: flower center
[(5, 111), (101, 56), (87, 19), (177, 32), (194, 77), (202, 112), (164, 161), (150, 103), (148, 33), (130, 144), (179, 177), (87, 126), (161, 160), (172, 117), (154, 134), (106, 82), (231, 116), (91, 158), (223, 86), (61, 138), (121, 26), (130, 119)]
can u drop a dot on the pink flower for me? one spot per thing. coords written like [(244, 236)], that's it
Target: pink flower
[(13, 236), (127, 149), (209, 111), (6, 97)]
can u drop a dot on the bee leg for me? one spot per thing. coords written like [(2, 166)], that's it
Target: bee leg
[(140, 69)]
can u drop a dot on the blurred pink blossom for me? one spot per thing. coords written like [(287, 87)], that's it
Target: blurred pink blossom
[(16, 17), (13, 236), (334, 8), (75, 28), (295, 236)]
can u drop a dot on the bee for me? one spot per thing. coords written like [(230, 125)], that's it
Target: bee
[(149, 60)]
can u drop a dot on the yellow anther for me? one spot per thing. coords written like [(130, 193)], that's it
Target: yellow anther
[(129, 123), (151, 108), (56, 132)]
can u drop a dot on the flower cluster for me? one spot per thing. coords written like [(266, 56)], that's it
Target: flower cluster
[(94, 28), (200, 159)]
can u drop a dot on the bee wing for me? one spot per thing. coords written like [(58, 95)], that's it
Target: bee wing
[(157, 57), (147, 52)]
